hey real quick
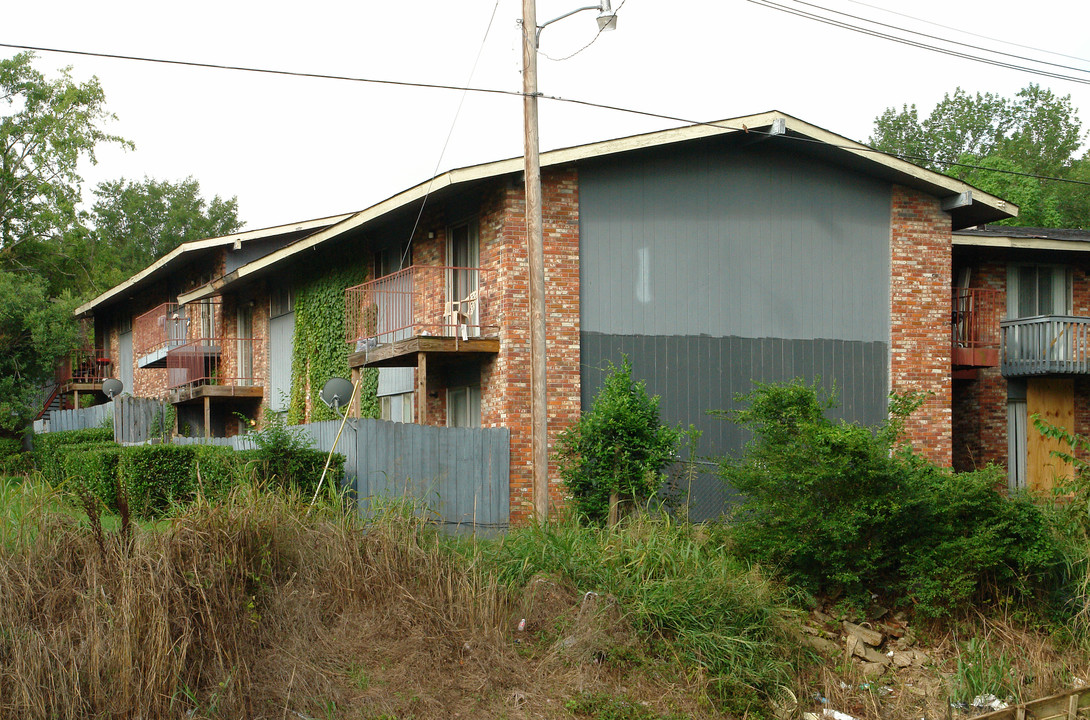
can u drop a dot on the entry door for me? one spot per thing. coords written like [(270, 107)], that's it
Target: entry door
[(1053, 400), (463, 257)]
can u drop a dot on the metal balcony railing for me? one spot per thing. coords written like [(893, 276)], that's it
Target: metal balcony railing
[(212, 361), (86, 366), (420, 300), (170, 325), (1046, 345), (975, 327)]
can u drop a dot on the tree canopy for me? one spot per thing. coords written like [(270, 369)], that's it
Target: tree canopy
[(54, 252), (135, 223), (46, 128), (1035, 133)]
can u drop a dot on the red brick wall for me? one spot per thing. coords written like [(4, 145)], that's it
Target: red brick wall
[(920, 255), (506, 381)]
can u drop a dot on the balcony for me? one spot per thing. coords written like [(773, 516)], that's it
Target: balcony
[(84, 369), (975, 328), (211, 368), (1046, 345), (390, 321), (168, 326)]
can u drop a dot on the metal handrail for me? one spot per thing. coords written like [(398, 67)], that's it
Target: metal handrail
[(420, 300), (1046, 345)]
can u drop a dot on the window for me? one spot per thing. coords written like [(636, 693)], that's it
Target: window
[(397, 408), (464, 407), (281, 301), (1034, 290)]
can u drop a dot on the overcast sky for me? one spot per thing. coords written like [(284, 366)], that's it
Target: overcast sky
[(294, 149)]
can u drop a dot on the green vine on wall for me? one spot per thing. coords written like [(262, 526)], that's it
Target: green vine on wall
[(319, 350)]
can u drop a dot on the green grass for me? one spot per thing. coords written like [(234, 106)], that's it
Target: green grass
[(24, 502), (679, 588)]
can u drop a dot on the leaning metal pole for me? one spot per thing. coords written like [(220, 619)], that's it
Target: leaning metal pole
[(539, 430)]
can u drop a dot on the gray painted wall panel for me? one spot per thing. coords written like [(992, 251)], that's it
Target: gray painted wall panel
[(706, 373), (281, 332), (124, 360), (721, 241)]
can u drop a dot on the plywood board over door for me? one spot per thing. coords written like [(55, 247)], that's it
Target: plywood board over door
[(1053, 400)]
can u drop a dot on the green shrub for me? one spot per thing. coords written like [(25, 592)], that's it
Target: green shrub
[(284, 457), (93, 471), (838, 508), (9, 446), (47, 445), (618, 448), (217, 469), (157, 476)]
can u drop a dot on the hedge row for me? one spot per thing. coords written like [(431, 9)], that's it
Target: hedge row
[(154, 478)]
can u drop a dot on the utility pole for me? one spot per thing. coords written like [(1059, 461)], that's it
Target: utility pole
[(535, 247)]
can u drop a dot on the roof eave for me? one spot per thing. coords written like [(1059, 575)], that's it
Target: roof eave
[(981, 207)]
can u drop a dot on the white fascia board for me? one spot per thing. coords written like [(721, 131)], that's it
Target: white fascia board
[(1021, 243), (599, 149), (204, 244)]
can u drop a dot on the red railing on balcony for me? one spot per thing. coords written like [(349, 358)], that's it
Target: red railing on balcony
[(212, 361), (171, 325), (86, 366), (975, 327), (420, 300)]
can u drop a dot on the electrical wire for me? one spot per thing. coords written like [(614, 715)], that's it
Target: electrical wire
[(940, 39), (967, 32), (592, 41), (915, 43), (554, 98), (450, 132)]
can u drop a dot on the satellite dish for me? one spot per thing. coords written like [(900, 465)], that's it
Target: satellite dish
[(336, 392), (112, 387)]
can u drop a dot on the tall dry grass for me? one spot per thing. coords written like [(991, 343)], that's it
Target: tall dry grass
[(246, 609)]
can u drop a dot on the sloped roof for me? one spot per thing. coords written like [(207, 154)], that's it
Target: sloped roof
[(1003, 236), (969, 205), (185, 252)]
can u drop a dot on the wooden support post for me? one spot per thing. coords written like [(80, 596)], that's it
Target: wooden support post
[(207, 416), (422, 388), (75, 399), (354, 408)]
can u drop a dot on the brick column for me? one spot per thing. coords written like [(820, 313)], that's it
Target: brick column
[(505, 382), (920, 282)]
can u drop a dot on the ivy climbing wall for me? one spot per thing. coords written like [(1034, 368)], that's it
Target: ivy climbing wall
[(319, 351)]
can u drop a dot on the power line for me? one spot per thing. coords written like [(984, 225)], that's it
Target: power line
[(966, 32), (555, 98), (941, 39), (914, 43), (450, 132)]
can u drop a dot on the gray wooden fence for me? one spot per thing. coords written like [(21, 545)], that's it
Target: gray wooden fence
[(461, 475), (81, 418), (138, 419)]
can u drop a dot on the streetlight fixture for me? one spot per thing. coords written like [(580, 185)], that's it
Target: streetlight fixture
[(539, 428)]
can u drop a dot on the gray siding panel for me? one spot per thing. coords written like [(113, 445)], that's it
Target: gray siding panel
[(124, 360), (691, 385), (281, 335), (727, 242)]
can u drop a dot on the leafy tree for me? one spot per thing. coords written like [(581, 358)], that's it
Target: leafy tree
[(34, 330), (840, 509), (1035, 132), (617, 450), (46, 128), (135, 223)]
